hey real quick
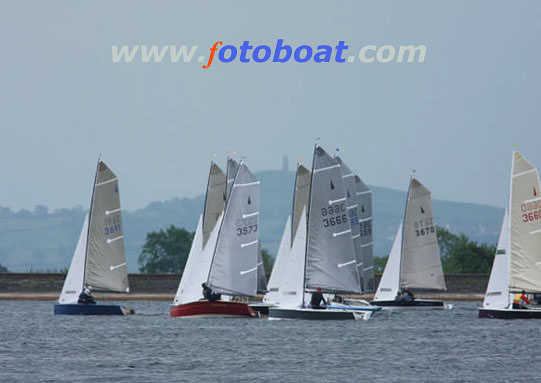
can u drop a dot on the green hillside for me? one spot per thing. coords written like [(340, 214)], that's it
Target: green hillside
[(43, 240)]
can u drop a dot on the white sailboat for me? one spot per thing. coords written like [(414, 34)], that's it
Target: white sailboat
[(517, 263), (99, 260), (224, 252), (322, 255), (414, 261)]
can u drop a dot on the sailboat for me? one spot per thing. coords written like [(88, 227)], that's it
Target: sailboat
[(414, 261), (322, 255), (224, 252), (99, 261), (517, 263)]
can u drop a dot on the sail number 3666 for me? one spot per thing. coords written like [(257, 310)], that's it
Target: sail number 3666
[(334, 215)]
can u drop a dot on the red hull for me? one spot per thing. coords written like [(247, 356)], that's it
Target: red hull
[(207, 309)]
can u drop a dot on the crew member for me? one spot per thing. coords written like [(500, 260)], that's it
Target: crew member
[(86, 297), (209, 294), (317, 298), (521, 301)]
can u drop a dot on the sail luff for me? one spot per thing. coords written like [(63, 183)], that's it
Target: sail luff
[(214, 199)]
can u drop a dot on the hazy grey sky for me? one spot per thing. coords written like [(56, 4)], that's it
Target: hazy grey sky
[(454, 117)]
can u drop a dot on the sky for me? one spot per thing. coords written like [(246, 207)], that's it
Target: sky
[(455, 118)]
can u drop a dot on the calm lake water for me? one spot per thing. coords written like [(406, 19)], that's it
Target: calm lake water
[(423, 346)]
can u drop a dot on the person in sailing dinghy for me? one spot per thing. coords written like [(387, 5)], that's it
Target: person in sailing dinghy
[(317, 298), (86, 297), (208, 294), (404, 297), (520, 301)]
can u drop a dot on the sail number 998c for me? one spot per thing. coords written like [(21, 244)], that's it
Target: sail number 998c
[(334, 215)]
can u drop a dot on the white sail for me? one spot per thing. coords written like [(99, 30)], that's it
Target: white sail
[(389, 283), (73, 285), (525, 216), (420, 265), (292, 285), (197, 266), (497, 295), (214, 200), (280, 264)]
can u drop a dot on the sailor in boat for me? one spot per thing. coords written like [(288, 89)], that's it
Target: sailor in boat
[(317, 298), (404, 297), (520, 301), (86, 297), (209, 294)]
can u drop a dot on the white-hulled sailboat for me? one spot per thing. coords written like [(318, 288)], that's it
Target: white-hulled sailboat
[(517, 263), (322, 255), (414, 261), (99, 261), (224, 252)]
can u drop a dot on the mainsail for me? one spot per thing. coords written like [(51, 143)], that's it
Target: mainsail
[(301, 196), (420, 261), (105, 267), (348, 178), (232, 168), (364, 199), (234, 266), (497, 295), (330, 257), (214, 200), (525, 216), (73, 285)]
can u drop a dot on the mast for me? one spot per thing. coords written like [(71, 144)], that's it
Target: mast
[(206, 194), (293, 204), (90, 219)]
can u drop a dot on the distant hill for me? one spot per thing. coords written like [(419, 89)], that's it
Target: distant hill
[(43, 240)]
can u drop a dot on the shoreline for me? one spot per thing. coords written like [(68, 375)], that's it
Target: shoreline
[(169, 297)]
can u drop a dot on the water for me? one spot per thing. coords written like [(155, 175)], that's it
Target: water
[(422, 346)]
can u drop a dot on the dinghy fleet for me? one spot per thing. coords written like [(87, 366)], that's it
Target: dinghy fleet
[(325, 258)]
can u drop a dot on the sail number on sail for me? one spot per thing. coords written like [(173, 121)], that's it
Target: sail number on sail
[(532, 216), (112, 225), (424, 226), (334, 215), (246, 226)]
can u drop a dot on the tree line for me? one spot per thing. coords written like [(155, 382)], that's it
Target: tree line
[(166, 251)]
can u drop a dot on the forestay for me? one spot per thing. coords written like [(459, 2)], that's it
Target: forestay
[(389, 283), (497, 295), (106, 267), (525, 214), (73, 285), (330, 257), (234, 266), (420, 264)]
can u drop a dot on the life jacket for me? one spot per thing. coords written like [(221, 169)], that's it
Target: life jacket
[(518, 300)]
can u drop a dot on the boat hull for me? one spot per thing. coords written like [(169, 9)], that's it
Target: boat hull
[(91, 309), (212, 309), (261, 308), (314, 314), (415, 304), (510, 313)]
